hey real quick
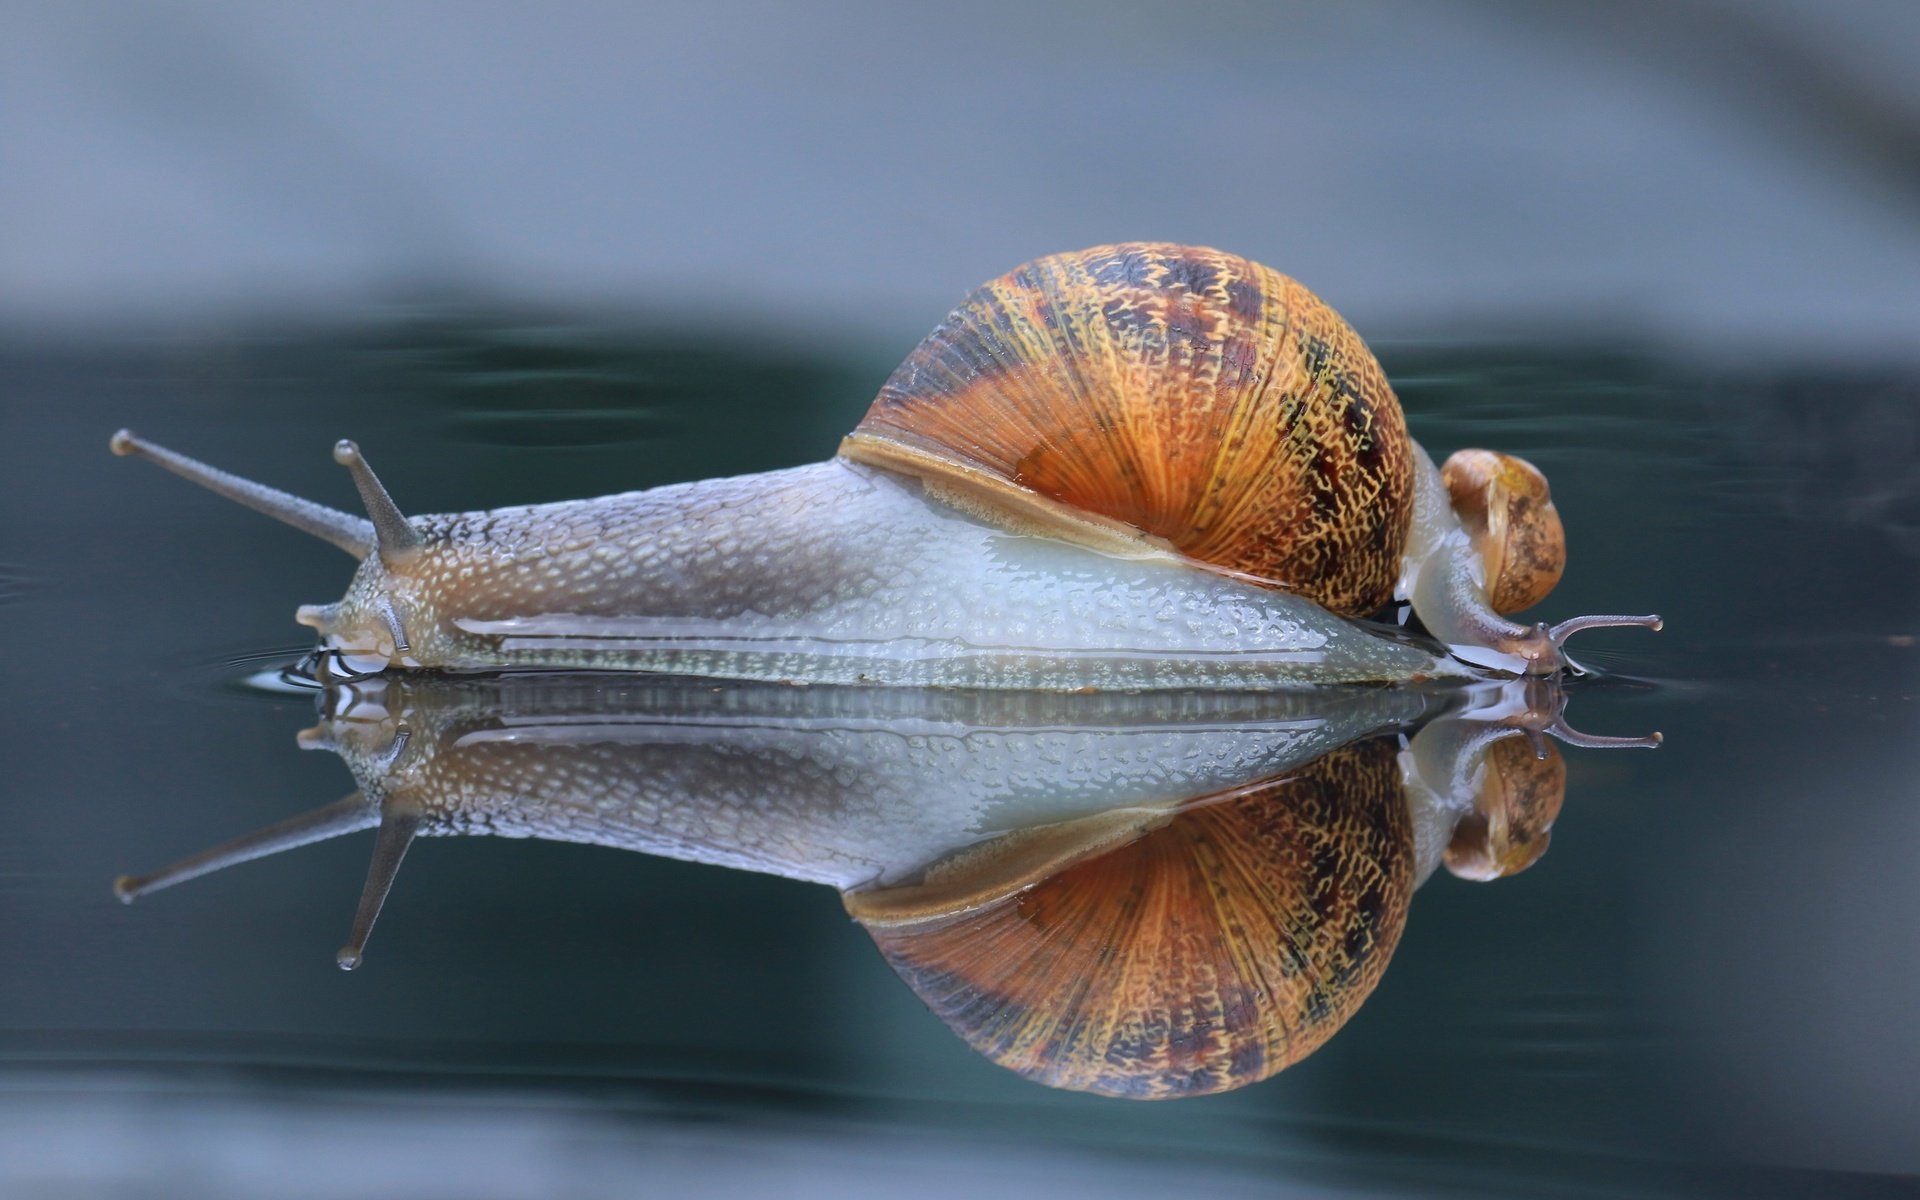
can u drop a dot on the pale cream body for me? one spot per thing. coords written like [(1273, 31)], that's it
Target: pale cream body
[(848, 787), (845, 574)]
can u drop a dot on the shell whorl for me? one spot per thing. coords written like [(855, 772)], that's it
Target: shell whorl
[(1504, 504), (1196, 396), (1219, 946), (1512, 819)]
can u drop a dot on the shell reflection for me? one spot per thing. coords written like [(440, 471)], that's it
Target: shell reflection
[(1218, 946), (1148, 896)]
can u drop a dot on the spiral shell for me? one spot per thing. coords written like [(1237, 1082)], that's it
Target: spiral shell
[(1512, 819), (1218, 946), (1209, 402), (1505, 506)]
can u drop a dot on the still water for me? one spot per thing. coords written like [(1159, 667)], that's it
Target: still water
[(1704, 986)]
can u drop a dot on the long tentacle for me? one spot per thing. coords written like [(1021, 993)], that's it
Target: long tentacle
[(353, 534), (347, 815)]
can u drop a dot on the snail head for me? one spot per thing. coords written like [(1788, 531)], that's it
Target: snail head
[(381, 619), (1503, 505)]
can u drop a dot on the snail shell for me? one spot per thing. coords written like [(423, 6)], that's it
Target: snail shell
[(1207, 952), (1203, 399), (1509, 826)]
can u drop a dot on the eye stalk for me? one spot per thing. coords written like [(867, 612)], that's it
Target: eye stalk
[(1543, 646), (373, 626), (395, 538), (353, 534)]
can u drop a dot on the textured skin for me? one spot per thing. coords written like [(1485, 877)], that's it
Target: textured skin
[(839, 573), (1205, 955), (848, 787), (1195, 395)]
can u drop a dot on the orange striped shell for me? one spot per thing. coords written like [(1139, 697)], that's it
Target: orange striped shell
[(1203, 399), (1227, 941)]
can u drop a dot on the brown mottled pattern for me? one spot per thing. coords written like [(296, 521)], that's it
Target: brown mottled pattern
[(1534, 558), (1510, 826), (1196, 395), (1207, 954), (1505, 506)]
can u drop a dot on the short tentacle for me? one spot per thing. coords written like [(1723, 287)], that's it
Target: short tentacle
[(395, 538), (397, 830)]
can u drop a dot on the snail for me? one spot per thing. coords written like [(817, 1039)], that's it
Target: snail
[(1141, 894), (1138, 466)]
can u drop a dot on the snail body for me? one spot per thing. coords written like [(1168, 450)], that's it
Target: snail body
[(1139, 466)]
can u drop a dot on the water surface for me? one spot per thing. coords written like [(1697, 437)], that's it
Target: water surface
[(1704, 988)]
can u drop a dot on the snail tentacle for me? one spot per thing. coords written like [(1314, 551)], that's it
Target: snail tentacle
[(397, 830), (396, 538), (347, 815), (353, 534), (1566, 629), (1596, 741)]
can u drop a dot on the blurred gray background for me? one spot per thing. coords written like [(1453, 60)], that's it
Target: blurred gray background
[(1743, 176)]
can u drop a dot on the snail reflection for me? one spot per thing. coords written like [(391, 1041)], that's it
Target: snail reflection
[(1149, 895)]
